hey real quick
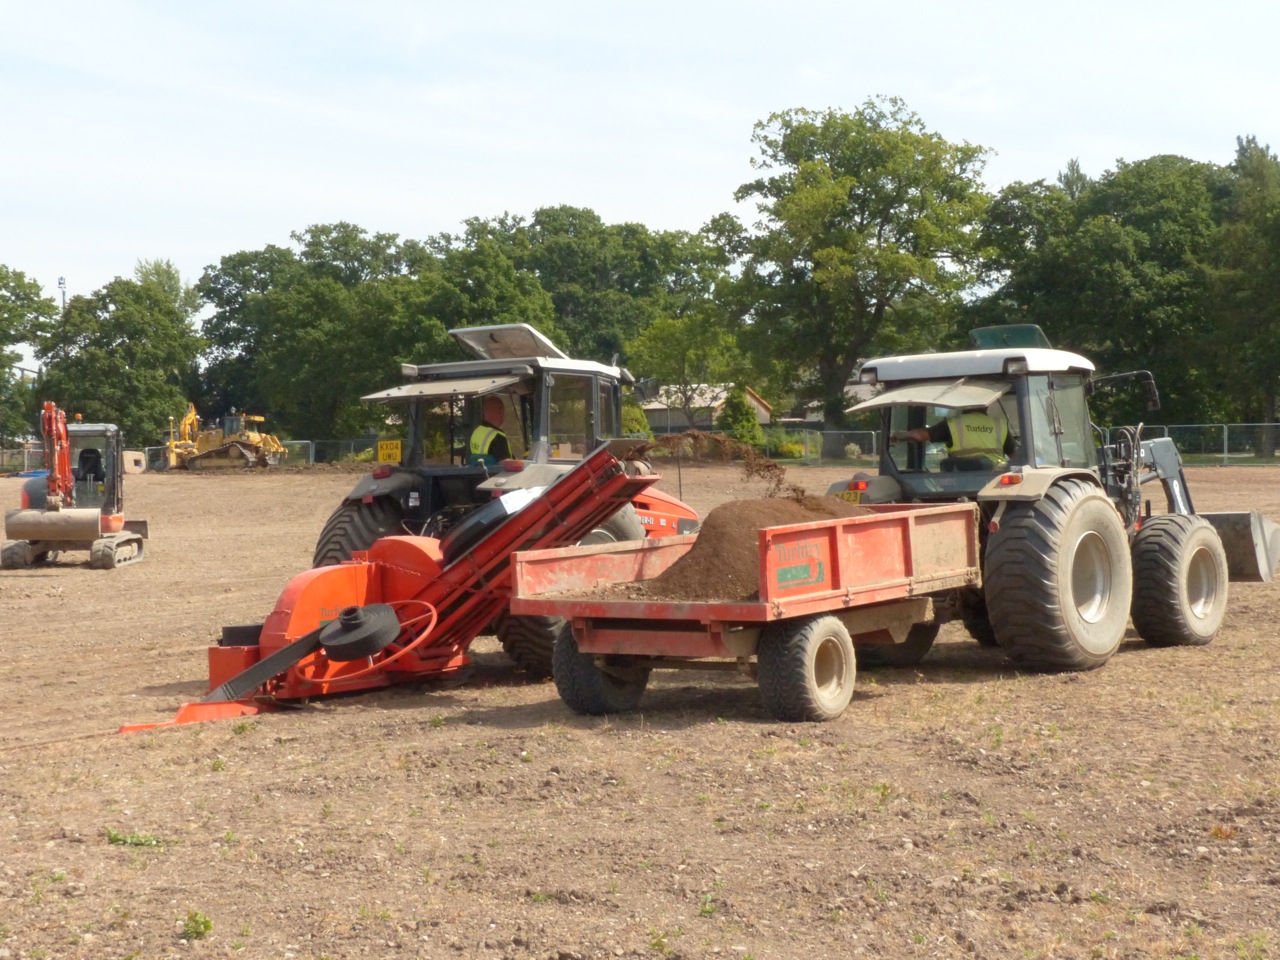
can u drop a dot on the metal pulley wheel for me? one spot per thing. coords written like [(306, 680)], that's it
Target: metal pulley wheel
[(360, 632)]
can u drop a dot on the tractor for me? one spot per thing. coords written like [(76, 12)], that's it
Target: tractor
[(77, 507), (1070, 548), (556, 411)]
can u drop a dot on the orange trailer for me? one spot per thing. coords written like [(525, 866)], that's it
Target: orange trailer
[(822, 585)]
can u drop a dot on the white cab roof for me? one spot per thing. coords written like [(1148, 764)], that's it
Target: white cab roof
[(953, 394), (506, 341), (460, 387), (974, 363)]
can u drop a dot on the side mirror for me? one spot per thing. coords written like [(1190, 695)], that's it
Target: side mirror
[(1152, 394)]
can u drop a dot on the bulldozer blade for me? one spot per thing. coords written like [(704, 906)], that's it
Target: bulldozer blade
[(1252, 544), (140, 527)]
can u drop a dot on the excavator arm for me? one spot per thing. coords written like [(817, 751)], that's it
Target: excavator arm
[(57, 454), (189, 425)]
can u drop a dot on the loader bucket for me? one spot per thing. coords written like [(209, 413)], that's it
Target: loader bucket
[(1252, 543)]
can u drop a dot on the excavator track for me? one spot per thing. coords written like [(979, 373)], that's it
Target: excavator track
[(116, 550), (230, 456)]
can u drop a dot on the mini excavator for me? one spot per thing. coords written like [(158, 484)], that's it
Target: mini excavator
[(74, 508)]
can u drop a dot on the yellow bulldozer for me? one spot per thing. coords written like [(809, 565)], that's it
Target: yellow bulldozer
[(237, 443)]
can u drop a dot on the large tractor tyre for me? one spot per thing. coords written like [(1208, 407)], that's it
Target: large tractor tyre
[(355, 526), (1058, 579), (1179, 581), (587, 688), (905, 654), (528, 640), (806, 669)]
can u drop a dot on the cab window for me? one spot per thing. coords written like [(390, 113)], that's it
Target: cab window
[(570, 417), (1060, 422)]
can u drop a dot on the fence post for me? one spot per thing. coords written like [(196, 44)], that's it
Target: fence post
[(1226, 451)]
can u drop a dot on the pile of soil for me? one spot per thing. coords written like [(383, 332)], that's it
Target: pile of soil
[(724, 562)]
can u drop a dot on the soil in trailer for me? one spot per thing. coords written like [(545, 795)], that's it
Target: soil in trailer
[(724, 561)]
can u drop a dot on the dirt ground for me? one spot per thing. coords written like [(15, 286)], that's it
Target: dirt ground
[(957, 809)]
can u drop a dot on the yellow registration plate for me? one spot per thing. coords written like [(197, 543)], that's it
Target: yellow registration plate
[(853, 496)]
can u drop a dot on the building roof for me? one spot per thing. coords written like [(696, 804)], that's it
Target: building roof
[(706, 396)]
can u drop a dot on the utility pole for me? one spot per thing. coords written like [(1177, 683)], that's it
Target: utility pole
[(62, 285)]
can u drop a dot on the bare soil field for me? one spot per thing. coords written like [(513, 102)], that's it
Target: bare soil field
[(958, 808)]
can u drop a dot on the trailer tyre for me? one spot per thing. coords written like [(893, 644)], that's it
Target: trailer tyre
[(355, 526), (528, 640), (1058, 580), (807, 669), (1179, 581), (587, 688), (906, 654)]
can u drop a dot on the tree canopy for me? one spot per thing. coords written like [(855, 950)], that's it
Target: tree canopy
[(873, 235), (118, 356), (858, 212)]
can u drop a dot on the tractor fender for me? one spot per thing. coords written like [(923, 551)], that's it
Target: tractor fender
[(397, 486), (1033, 485)]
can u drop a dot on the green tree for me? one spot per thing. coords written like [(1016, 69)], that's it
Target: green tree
[(1246, 285), (858, 212), (22, 305), (685, 353), (1118, 274), (302, 334), (738, 419), (607, 282), (118, 355)]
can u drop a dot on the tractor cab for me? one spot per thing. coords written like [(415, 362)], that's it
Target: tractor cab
[(556, 409), (953, 422)]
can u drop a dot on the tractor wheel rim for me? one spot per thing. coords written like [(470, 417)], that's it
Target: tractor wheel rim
[(829, 668), (1091, 578), (1202, 584)]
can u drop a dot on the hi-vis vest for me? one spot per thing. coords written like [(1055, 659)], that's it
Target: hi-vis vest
[(978, 435), (481, 438)]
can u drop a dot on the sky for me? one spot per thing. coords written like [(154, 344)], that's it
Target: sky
[(188, 132)]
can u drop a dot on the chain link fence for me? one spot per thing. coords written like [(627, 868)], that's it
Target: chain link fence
[(1217, 444), (21, 459), (827, 447), (298, 451)]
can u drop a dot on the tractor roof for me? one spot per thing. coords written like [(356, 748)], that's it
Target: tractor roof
[(506, 341), (472, 378), (973, 363)]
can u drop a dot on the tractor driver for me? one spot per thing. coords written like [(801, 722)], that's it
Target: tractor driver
[(967, 434), (489, 445)]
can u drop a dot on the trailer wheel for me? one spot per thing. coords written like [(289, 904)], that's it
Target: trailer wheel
[(355, 526), (528, 640), (807, 669), (1058, 579), (1179, 581), (588, 689), (906, 654)]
